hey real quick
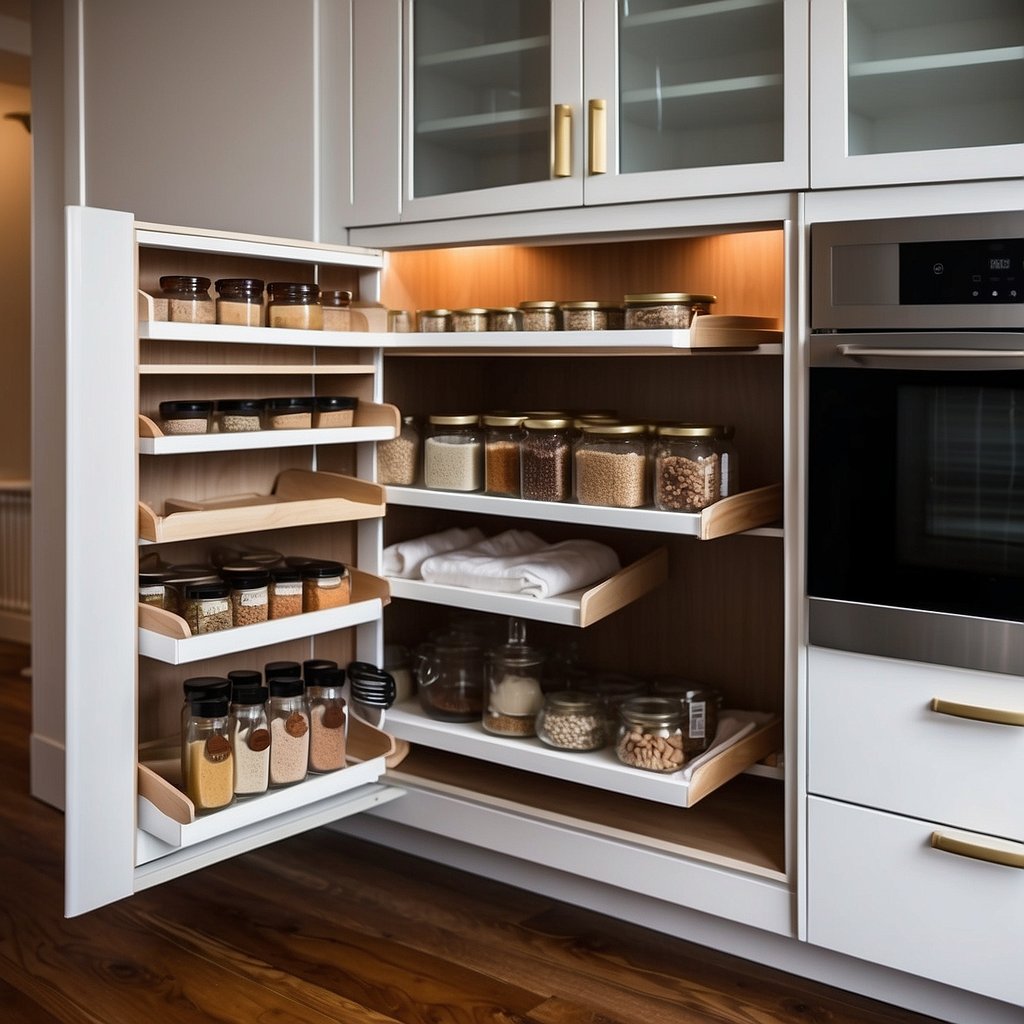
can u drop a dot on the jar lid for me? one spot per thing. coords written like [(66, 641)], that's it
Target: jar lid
[(204, 590), (471, 311), (435, 312), (294, 404), (614, 429), (545, 414), (210, 707), (456, 421), (185, 410), (249, 695), (661, 298), (686, 430), (282, 670), (245, 678), (655, 711), (539, 304), (181, 574), (252, 406), (555, 423), (284, 686), (199, 686), (323, 569), (184, 283), (313, 667), (504, 309), (293, 290), (239, 285), (591, 304), (245, 577), (285, 574), (326, 679), (501, 420), (334, 403), (336, 298), (573, 700)]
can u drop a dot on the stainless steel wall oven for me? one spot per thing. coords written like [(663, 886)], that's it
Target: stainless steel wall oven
[(916, 445)]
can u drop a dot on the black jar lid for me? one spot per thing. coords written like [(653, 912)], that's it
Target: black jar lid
[(295, 290), (239, 286), (322, 570), (249, 695), (285, 687), (282, 670), (327, 679), (313, 668), (334, 403), (250, 406), (245, 678), (210, 707), (185, 410), (336, 298), (285, 574), (245, 577), (206, 590), (288, 404), (200, 687), (151, 577), (183, 283)]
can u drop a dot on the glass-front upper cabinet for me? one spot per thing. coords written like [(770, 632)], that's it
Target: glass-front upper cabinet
[(916, 91)]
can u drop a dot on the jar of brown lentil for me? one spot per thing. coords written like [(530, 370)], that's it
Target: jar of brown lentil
[(207, 607), (546, 460), (188, 299), (687, 474), (502, 436), (611, 465), (660, 310), (240, 301), (325, 585), (284, 592), (296, 305), (540, 315), (248, 593)]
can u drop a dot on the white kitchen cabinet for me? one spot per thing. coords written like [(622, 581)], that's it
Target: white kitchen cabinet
[(916, 91)]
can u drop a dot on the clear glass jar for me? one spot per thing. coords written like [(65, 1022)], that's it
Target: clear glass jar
[(250, 739), (198, 688), (337, 309), (570, 720), (325, 585), (661, 310), (514, 695), (729, 465), (152, 587), (450, 677), (472, 319), (453, 454), (188, 299), (610, 689), (398, 460), (334, 410), (288, 715), (284, 593), (610, 465), (290, 413), (650, 736), (540, 315), (504, 318), (435, 321), (295, 305), (687, 475), (249, 586), (240, 301), (207, 607), (327, 720), (591, 316), (400, 321), (503, 435), (546, 460), (179, 577), (699, 707), (235, 415), (187, 417), (208, 766)]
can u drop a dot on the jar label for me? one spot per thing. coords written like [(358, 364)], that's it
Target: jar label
[(328, 582), (333, 718), (259, 739), (288, 589), (697, 719), (296, 725), (213, 606), (217, 748), (253, 598), (151, 592)]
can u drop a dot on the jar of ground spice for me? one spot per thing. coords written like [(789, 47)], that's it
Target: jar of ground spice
[(687, 476), (334, 410), (398, 459), (546, 460), (503, 434), (540, 315), (611, 465), (294, 413), (235, 415), (325, 585), (453, 453), (288, 715), (327, 720), (295, 305), (337, 309), (207, 607), (284, 592), (197, 688), (249, 586), (240, 301), (186, 417), (188, 299), (208, 766), (250, 739), (673, 310)]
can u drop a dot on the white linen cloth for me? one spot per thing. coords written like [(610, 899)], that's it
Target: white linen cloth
[(519, 562), (405, 558), (733, 725)]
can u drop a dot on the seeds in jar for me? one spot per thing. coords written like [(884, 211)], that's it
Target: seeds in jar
[(396, 461), (501, 467), (451, 464), (546, 462), (683, 484), (611, 478), (574, 731), (639, 749)]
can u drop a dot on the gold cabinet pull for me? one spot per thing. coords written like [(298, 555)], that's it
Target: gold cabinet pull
[(998, 716), (562, 163), (1006, 856), (597, 137)]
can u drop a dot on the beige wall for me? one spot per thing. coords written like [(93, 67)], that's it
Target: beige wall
[(15, 267)]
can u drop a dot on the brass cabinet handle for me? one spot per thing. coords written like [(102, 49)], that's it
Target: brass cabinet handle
[(597, 137), (562, 163), (1008, 857), (998, 716)]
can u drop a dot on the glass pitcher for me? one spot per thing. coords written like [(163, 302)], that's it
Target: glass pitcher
[(450, 677)]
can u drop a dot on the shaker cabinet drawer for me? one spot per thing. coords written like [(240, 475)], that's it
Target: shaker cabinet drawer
[(875, 738), (879, 890)]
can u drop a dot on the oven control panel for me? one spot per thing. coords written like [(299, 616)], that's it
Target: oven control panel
[(960, 271)]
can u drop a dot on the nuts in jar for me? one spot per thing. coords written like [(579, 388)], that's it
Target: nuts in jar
[(665, 310), (686, 468), (571, 721), (650, 736)]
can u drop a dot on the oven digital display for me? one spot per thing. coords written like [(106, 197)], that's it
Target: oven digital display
[(962, 272)]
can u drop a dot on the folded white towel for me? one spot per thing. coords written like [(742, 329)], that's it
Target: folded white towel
[(405, 558), (519, 562)]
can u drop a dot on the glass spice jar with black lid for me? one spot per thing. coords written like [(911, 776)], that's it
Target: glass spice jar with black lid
[(207, 607), (208, 763), (240, 301), (250, 739), (327, 718), (188, 299), (295, 305), (249, 586), (288, 715), (189, 416), (237, 415)]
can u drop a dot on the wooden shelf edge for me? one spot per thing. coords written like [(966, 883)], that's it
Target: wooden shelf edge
[(747, 510), (159, 620), (734, 760), (626, 586)]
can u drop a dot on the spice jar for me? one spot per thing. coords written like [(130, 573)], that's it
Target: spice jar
[(610, 462), (546, 460), (240, 301), (591, 316), (435, 321), (288, 716), (250, 739), (337, 309), (334, 410), (453, 453), (570, 720), (198, 688), (327, 720), (540, 315), (325, 585), (244, 679), (472, 319), (502, 437), (288, 413), (235, 415), (686, 468), (282, 670), (152, 588), (294, 305), (729, 464), (207, 607), (514, 694), (651, 736), (699, 709), (665, 310), (504, 318), (188, 299), (186, 417), (208, 765), (180, 576), (398, 459), (249, 587), (284, 592)]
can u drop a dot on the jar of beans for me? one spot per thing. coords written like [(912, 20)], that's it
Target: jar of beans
[(502, 436), (546, 460), (453, 453), (687, 470), (398, 459), (610, 464), (571, 721), (650, 736)]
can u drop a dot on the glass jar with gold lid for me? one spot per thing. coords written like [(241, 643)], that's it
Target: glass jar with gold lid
[(687, 474)]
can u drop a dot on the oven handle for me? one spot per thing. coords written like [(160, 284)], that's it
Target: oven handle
[(997, 716), (871, 352)]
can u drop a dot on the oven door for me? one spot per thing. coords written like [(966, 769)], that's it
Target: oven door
[(916, 497)]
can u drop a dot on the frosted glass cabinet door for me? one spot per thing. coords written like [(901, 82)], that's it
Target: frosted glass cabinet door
[(916, 91)]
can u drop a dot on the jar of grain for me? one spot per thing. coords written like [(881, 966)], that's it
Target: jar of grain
[(208, 765), (398, 460), (325, 585), (235, 415), (435, 321), (540, 315), (250, 739), (240, 301), (191, 417), (284, 592), (207, 607), (514, 696), (650, 736), (327, 720), (294, 304), (687, 474), (472, 319), (188, 299), (591, 316), (334, 410), (288, 716), (337, 309), (288, 413), (674, 310), (503, 434), (546, 460), (249, 587), (570, 720), (453, 453), (610, 462), (504, 318)]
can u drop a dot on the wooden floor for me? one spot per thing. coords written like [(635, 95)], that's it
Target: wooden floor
[(323, 929)]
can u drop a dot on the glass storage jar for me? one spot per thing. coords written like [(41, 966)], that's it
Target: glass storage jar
[(208, 766), (334, 410), (699, 706), (472, 319), (729, 464), (398, 460), (235, 415), (249, 593), (250, 739), (591, 316), (325, 584), (288, 715), (660, 310), (611, 689), (180, 576), (336, 304), (186, 417), (327, 719), (502, 437), (546, 460), (188, 299), (514, 696), (435, 321), (294, 304), (650, 735), (450, 677), (198, 688), (288, 413), (540, 315), (570, 720), (400, 321), (284, 592), (504, 318), (610, 463), (453, 453), (207, 607), (687, 475), (152, 589), (240, 301)]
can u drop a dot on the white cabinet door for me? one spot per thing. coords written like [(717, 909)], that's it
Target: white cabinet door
[(916, 91)]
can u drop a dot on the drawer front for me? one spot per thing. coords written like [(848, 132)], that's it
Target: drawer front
[(874, 739), (878, 890)]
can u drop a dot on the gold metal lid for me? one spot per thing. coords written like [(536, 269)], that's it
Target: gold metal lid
[(687, 430), (435, 312), (539, 304), (471, 311), (456, 421), (618, 429), (502, 419), (591, 304), (663, 298), (550, 424), (504, 309)]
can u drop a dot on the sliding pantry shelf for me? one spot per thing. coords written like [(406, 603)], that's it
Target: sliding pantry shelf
[(372, 422), (300, 498), (166, 637), (227, 334), (255, 369), (746, 512), (581, 607)]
